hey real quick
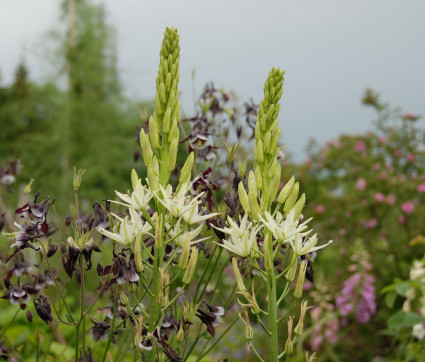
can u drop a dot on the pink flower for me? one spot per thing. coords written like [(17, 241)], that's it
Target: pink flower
[(360, 146), (421, 187), (407, 207), (410, 117), (320, 209), (397, 153), (402, 220), (381, 139), (371, 224), (410, 157), (348, 214), (376, 166), (342, 232), (361, 184), (383, 176), (379, 197), (390, 199)]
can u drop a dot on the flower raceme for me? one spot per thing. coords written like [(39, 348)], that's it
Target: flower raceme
[(243, 237), (129, 228), (180, 205), (286, 230)]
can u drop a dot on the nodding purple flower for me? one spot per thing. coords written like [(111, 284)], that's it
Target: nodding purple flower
[(210, 315), (100, 331), (8, 174), (70, 259), (19, 268), (207, 153), (43, 309), (125, 270), (35, 212), (169, 351), (100, 217), (4, 351), (20, 295), (203, 183), (43, 280)]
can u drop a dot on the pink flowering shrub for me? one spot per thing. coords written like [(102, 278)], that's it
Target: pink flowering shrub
[(369, 187)]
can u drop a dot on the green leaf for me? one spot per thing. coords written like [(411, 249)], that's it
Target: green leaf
[(396, 321), (401, 320), (388, 288), (402, 288), (68, 318), (390, 299)]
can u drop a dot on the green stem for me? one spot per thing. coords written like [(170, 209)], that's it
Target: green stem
[(272, 307), (155, 306), (83, 307), (111, 330)]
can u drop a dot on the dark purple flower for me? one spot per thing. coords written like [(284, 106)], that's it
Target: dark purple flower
[(43, 309), (210, 315), (20, 295)]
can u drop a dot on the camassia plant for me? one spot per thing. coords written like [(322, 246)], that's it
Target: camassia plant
[(167, 250)]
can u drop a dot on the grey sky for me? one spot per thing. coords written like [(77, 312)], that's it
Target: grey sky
[(331, 51)]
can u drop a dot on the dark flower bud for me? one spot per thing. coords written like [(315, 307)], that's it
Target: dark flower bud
[(29, 316), (52, 250), (68, 220), (42, 307)]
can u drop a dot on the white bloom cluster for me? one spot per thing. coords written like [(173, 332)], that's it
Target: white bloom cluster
[(243, 237)]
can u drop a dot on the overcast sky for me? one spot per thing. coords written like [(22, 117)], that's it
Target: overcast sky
[(331, 52)]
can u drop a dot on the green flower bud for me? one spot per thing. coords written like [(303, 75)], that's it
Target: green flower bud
[(134, 178), (289, 346), (174, 132), (242, 168), (300, 326), (290, 201), (166, 123), (254, 209), (243, 197), (123, 296), (300, 281), (78, 176), (188, 275), (238, 277), (258, 151), (172, 156), (284, 193), (275, 183), (153, 132), (299, 206), (138, 257), (186, 172), (258, 178), (152, 179), (275, 140), (292, 271), (184, 256), (252, 183), (146, 148)]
